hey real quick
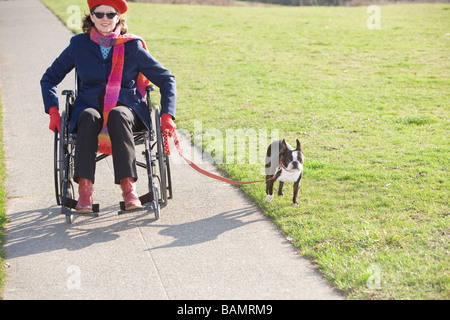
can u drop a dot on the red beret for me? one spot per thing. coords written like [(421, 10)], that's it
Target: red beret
[(119, 5)]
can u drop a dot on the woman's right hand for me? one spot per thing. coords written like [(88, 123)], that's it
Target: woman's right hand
[(55, 119)]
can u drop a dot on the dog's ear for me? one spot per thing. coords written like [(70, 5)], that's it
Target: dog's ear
[(299, 147), (283, 146)]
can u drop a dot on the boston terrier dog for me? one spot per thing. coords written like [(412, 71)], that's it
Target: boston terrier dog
[(285, 164)]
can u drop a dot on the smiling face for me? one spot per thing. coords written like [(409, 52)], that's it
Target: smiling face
[(104, 25)]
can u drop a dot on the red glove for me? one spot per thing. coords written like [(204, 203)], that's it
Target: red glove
[(167, 124), (55, 119)]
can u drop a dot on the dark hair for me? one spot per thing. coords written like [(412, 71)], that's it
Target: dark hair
[(88, 24)]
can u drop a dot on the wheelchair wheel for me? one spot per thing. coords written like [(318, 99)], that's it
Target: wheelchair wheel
[(56, 168), (60, 149), (156, 165), (162, 162), (65, 172), (153, 178)]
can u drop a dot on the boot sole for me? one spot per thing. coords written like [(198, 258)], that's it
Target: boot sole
[(133, 207)]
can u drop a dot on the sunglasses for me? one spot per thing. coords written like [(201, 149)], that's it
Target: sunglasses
[(109, 15)]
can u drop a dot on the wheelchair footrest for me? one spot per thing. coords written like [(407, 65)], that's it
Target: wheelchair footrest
[(71, 203), (123, 211), (68, 212), (146, 198)]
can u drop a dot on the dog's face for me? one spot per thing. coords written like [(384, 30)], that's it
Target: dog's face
[(292, 159)]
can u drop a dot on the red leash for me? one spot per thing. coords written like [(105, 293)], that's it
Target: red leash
[(197, 168)]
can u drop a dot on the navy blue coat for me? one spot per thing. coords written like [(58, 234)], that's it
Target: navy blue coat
[(85, 55)]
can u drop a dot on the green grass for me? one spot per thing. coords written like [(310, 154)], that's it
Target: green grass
[(371, 108)]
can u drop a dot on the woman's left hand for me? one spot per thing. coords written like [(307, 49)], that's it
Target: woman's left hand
[(167, 124)]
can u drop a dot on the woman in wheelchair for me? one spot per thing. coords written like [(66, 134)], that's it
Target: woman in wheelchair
[(114, 68)]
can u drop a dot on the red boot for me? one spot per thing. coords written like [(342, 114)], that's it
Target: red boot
[(85, 190), (129, 194)]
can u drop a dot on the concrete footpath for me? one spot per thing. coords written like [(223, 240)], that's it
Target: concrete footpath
[(211, 242)]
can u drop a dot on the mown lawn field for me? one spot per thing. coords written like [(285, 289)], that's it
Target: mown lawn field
[(370, 107)]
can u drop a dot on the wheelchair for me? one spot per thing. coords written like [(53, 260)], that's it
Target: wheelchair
[(156, 162)]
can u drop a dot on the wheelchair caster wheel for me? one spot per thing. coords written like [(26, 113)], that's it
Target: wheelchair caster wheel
[(70, 218), (156, 205), (157, 210)]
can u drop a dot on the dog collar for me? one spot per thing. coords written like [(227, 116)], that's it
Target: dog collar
[(282, 165)]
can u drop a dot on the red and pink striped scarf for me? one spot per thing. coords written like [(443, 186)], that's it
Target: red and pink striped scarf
[(117, 41)]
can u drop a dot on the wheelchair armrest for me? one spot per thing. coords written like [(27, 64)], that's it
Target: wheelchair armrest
[(150, 88), (69, 93)]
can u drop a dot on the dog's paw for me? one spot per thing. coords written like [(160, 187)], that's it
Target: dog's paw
[(269, 198)]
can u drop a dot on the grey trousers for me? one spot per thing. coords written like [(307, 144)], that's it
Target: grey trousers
[(122, 121)]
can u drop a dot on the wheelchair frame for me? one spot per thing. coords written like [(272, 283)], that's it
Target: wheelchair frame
[(156, 162)]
